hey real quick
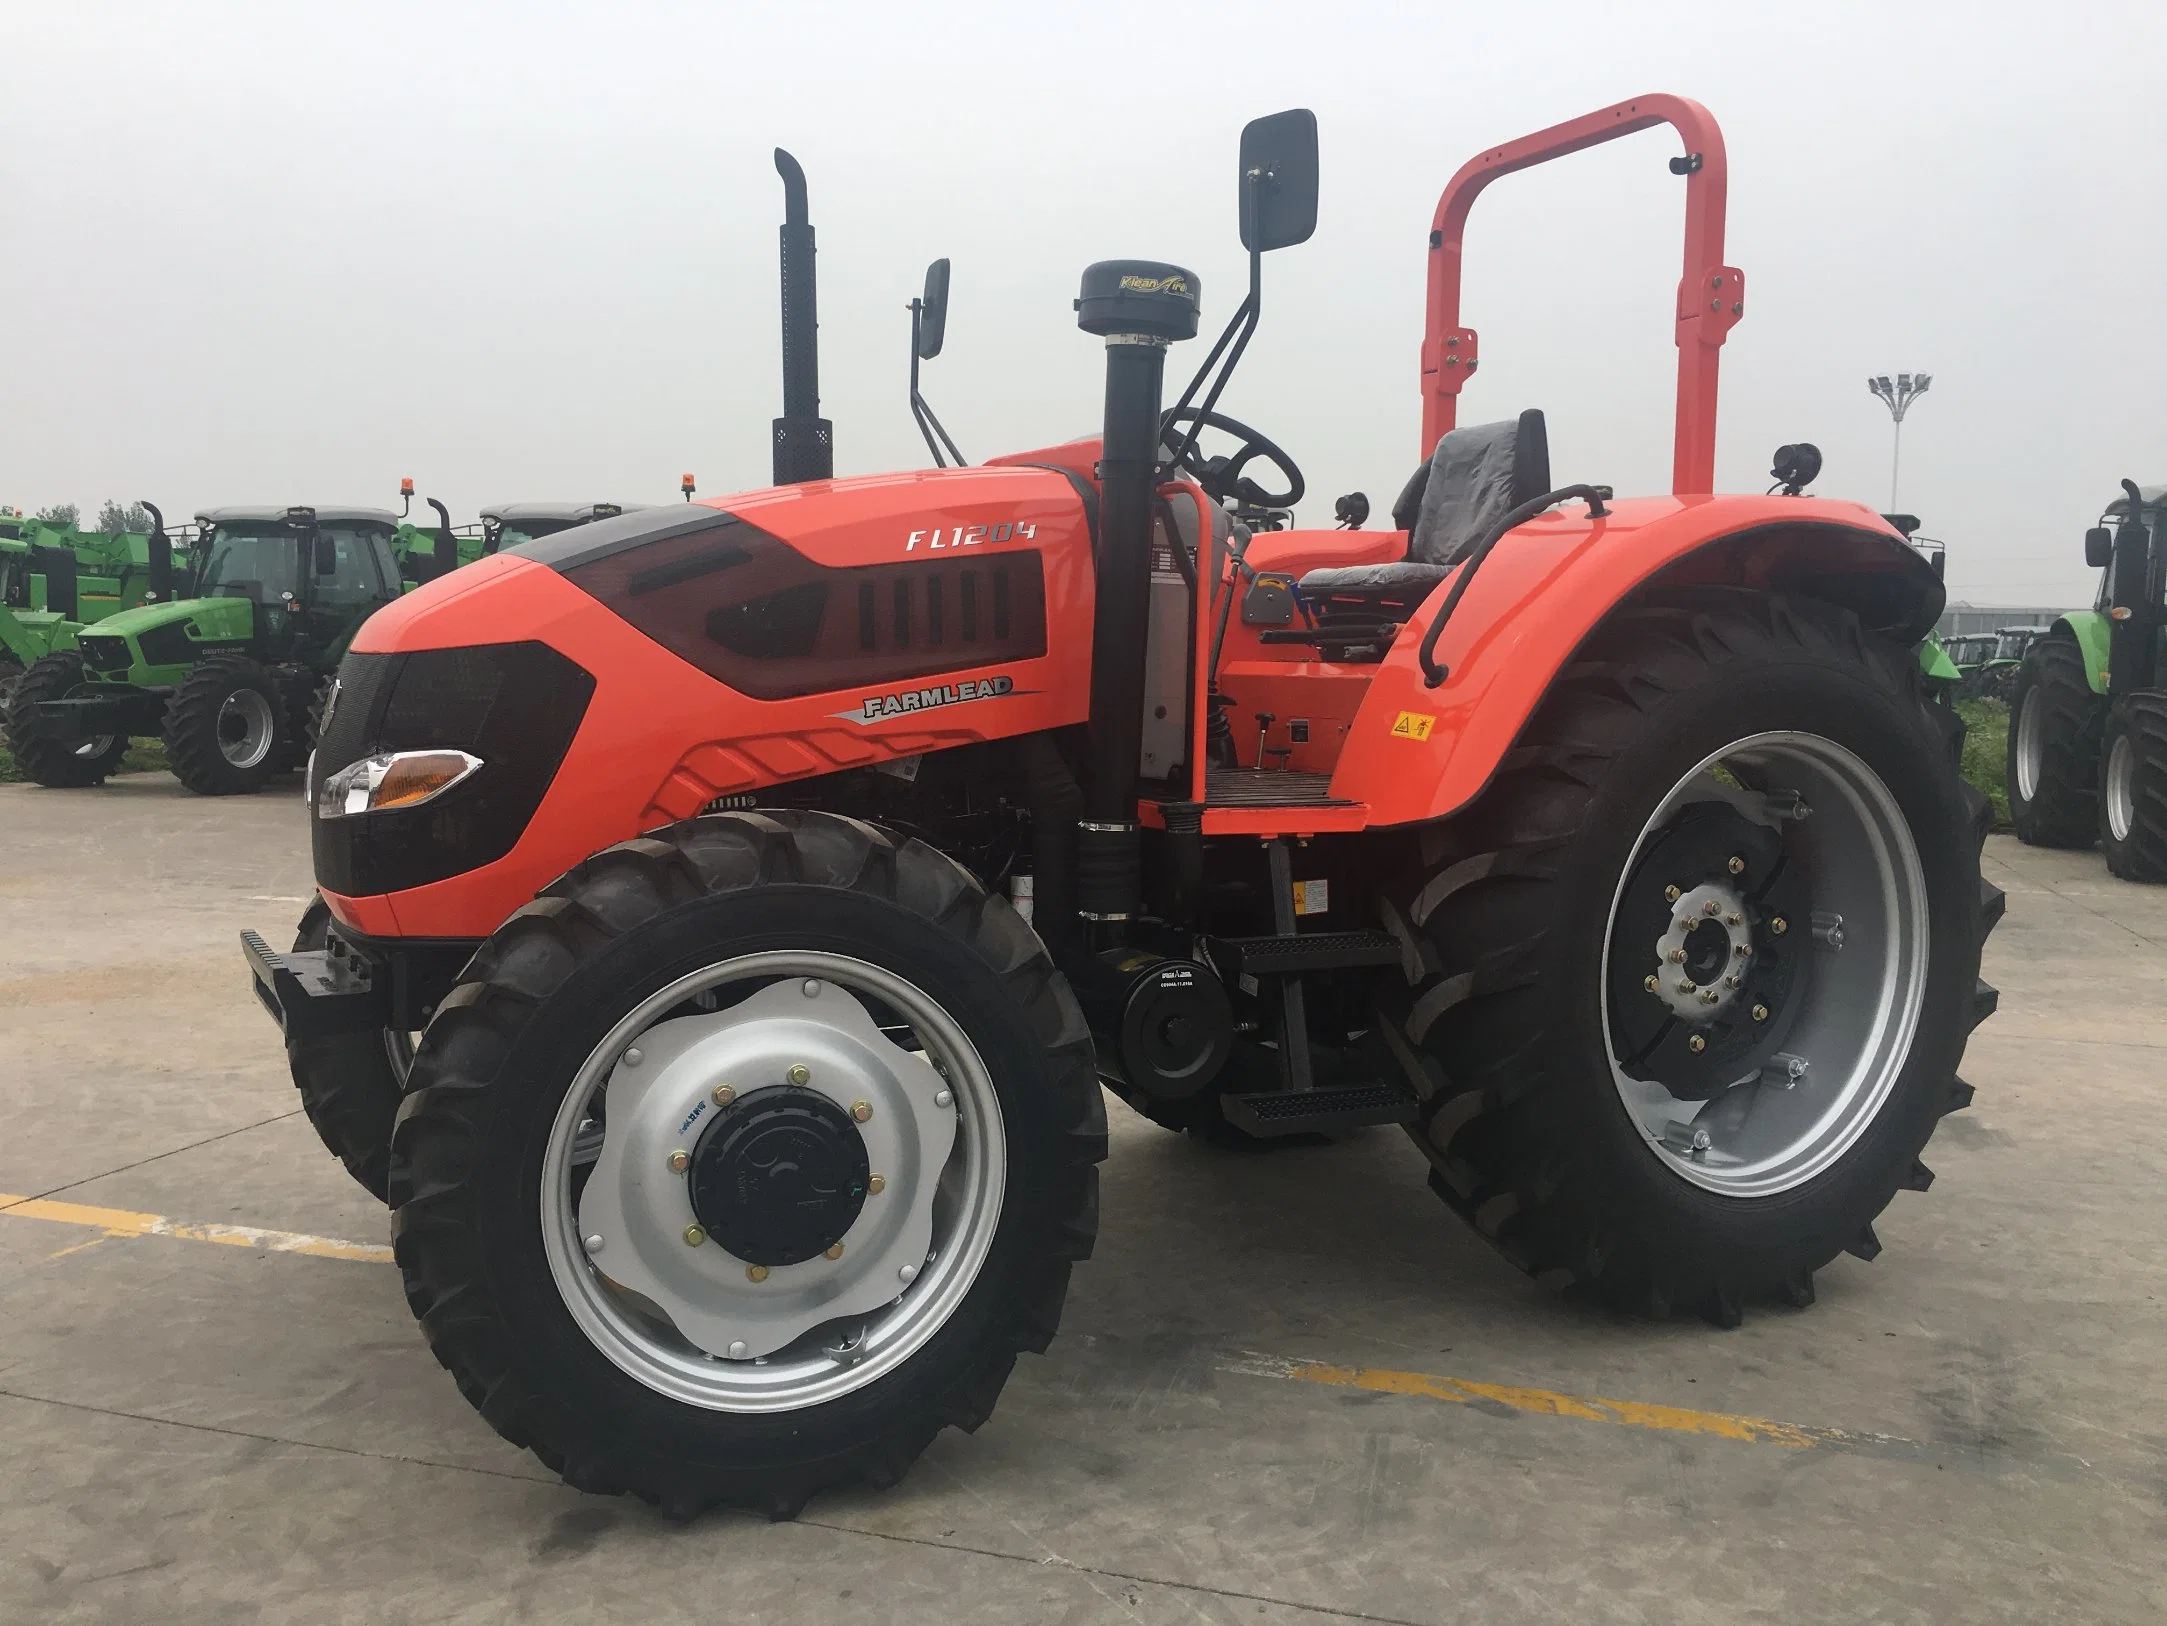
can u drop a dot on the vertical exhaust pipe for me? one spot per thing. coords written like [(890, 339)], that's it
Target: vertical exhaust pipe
[(447, 546), (804, 440), (160, 548), (1138, 307)]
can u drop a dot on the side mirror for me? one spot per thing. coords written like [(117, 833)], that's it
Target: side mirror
[(327, 556), (933, 311), (1279, 180), (2099, 547)]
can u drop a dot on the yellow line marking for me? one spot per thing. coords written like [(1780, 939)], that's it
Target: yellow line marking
[(123, 1222), (1550, 1403)]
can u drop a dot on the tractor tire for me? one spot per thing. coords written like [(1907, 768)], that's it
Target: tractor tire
[(2055, 726), (1693, 1182), (226, 727), (350, 1083), (11, 673), (2133, 788), (59, 763), (515, 1184)]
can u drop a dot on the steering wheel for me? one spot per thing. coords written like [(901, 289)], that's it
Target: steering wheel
[(1222, 477)]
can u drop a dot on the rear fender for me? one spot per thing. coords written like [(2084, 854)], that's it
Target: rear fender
[(1416, 752), (2092, 632)]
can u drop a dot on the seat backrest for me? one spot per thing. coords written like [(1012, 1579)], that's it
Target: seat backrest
[(1474, 477)]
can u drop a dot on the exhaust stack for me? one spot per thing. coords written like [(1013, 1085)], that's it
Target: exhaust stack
[(804, 440)]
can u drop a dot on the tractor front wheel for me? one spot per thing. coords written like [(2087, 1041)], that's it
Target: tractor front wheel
[(1697, 970), (50, 759), (745, 1159), (2133, 788), (226, 727), (2055, 721), (350, 1083)]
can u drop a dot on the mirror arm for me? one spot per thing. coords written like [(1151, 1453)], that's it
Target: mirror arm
[(1245, 319), (928, 425)]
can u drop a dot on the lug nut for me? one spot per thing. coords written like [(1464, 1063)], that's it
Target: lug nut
[(875, 1184), (756, 1273), (1737, 865), (1779, 925), (737, 1349), (799, 1073), (724, 1095), (679, 1162), (1708, 996), (593, 1244), (1732, 980), (1677, 956), (634, 1057), (694, 1236), (908, 1273), (1711, 907), (1653, 983), (861, 1110), (1671, 893), (1696, 1044), (835, 1251), (1734, 920), (1745, 951), (812, 987), (1684, 923), (1685, 985), (1760, 1013), (944, 1098)]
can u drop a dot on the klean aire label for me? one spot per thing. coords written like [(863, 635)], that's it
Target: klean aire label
[(1413, 725)]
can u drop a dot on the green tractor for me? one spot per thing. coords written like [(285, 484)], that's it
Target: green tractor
[(227, 673), (56, 579), (425, 552), (2088, 711)]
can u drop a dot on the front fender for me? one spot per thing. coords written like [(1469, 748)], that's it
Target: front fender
[(1415, 753), (2091, 630)]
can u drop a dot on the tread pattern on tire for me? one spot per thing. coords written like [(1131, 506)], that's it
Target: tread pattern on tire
[(2065, 810), (2142, 717), (49, 761), (348, 1087), (444, 1121), (1502, 1141), (191, 727)]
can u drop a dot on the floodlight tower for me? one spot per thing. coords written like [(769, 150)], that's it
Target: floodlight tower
[(1897, 397)]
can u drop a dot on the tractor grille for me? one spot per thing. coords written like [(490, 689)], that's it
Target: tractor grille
[(104, 652), (516, 706)]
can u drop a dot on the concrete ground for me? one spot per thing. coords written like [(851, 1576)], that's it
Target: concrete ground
[(1289, 1388)]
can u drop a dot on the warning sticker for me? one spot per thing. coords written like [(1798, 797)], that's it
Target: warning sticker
[(1413, 725), (1312, 897)]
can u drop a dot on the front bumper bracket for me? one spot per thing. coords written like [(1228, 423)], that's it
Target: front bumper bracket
[(314, 994)]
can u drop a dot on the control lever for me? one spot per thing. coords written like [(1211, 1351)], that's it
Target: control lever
[(1265, 720)]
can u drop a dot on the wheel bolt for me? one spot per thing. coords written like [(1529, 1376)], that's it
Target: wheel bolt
[(1708, 996), (634, 1057), (679, 1162), (1696, 1044), (724, 1095), (1711, 907), (812, 987), (1677, 956), (799, 1073), (1760, 1013), (861, 1110), (1734, 920), (1671, 893), (908, 1273), (835, 1251), (1745, 951), (694, 1236), (875, 1184), (737, 1349), (943, 1098), (593, 1244), (1737, 865), (1732, 980), (756, 1273), (1685, 985), (1654, 983), (1779, 925)]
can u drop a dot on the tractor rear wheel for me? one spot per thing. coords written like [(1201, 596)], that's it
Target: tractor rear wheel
[(1697, 970), (2055, 723), (11, 673), (745, 1159), (350, 1083), (44, 756), (2133, 788), (225, 727)]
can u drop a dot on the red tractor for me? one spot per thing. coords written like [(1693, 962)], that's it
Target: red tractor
[(1611, 846)]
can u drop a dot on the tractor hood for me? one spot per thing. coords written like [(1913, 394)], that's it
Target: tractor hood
[(157, 643), (217, 618)]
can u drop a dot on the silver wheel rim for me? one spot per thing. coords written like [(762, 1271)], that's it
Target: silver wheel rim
[(245, 728), (2121, 788), (94, 747), (618, 1172), (1860, 985), (2031, 745)]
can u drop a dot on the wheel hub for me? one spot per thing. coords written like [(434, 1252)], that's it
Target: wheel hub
[(780, 1176)]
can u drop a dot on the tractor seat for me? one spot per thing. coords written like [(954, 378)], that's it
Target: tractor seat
[(1475, 476)]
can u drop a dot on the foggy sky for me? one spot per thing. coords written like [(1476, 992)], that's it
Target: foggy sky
[(290, 253)]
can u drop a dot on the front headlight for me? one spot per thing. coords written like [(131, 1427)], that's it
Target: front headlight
[(390, 780)]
